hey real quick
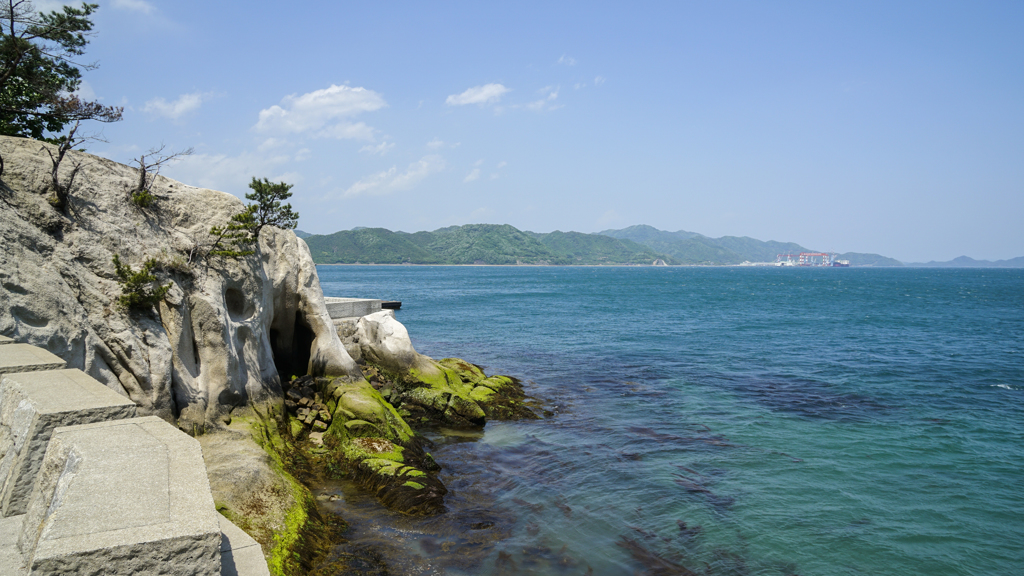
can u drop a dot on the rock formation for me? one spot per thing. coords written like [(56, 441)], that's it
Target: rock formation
[(450, 391), (221, 339)]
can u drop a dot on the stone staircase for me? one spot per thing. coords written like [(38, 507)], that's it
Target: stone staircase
[(86, 487)]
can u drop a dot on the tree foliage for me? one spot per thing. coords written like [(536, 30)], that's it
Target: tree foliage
[(38, 70), (234, 239), (268, 210), (137, 291)]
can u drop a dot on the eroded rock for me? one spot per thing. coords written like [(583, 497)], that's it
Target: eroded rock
[(221, 339)]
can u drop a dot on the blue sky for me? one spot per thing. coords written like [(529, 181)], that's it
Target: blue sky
[(888, 127)]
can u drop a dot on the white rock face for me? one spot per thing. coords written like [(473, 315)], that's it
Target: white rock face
[(227, 327), (384, 340)]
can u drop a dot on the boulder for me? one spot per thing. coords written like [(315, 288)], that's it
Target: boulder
[(223, 336)]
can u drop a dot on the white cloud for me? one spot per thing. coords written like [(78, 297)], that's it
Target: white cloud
[(271, 143), (546, 103), (502, 164), (478, 162), (319, 112), (567, 60), (134, 5), (437, 143), (85, 91), (473, 175), (478, 95), (228, 173), (381, 148), (48, 6), (392, 180), (598, 80), (347, 131), (184, 104)]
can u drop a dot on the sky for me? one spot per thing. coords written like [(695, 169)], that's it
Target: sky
[(888, 127)]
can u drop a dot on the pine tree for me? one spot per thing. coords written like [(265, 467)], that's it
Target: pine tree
[(268, 210)]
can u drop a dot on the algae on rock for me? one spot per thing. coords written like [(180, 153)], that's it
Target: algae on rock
[(368, 435), (450, 392)]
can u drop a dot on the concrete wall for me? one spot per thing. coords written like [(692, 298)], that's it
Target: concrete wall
[(88, 488), (351, 307)]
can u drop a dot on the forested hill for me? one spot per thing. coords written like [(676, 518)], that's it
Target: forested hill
[(693, 248), (505, 244), (476, 244)]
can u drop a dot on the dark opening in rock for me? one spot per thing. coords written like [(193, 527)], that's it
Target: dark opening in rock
[(238, 307), (292, 358)]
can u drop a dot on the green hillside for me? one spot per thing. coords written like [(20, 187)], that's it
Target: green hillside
[(580, 248), (498, 244), (366, 245), (476, 244), (487, 244), (752, 250), (858, 259), (691, 248)]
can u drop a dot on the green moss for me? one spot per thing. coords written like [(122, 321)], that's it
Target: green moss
[(355, 451), (496, 383), (437, 380), (382, 466), (481, 394), (470, 373), (295, 426), (282, 561), (415, 485), (283, 558)]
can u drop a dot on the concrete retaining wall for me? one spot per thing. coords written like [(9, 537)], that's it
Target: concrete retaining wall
[(87, 488), (351, 307)]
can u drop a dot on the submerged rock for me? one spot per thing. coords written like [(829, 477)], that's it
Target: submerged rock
[(368, 434)]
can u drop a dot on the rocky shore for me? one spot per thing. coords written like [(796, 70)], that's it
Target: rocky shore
[(241, 352)]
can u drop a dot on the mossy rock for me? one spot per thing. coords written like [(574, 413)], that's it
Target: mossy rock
[(454, 393), (468, 372), (252, 487), (369, 434)]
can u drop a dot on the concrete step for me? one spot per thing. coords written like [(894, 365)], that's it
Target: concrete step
[(6, 340), (32, 405), (16, 357), (119, 498), (240, 554)]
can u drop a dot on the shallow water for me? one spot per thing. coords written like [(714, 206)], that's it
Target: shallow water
[(719, 421)]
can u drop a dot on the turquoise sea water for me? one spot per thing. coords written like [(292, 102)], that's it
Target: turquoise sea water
[(719, 421)]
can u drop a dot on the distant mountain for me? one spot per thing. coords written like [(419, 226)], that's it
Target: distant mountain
[(693, 248), (505, 244), (377, 245), (967, 262), (302, 234), (476, 244), (858, 259)]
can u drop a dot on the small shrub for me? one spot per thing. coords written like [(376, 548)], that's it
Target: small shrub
[(137, 290), (143, 198)]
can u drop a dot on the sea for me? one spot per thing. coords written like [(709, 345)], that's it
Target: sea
[(715, 420)]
